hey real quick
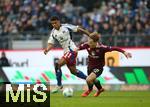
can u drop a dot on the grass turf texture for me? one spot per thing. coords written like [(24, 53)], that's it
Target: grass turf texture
[(106, 99)]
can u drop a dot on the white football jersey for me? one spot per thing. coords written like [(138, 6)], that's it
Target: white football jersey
[(63, 36)]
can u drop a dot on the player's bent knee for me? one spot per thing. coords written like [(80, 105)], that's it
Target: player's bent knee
[(89, 80)]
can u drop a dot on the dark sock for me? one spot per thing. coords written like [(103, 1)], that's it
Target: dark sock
[(97, 84), (90, 86), (81, 74), (58, 77), (58, 74)]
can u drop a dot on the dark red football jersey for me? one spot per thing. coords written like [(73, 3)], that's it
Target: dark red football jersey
[(96, 56)]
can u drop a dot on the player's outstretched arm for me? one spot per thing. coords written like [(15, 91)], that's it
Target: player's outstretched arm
[(109, 49), (94, 35), (127, 54), (80, 29), (49, 47)]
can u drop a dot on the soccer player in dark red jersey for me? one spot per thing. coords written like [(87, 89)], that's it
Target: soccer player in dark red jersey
[(96, 62)]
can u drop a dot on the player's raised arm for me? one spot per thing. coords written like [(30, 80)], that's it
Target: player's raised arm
[(94, 35), (82, 30), (74, 28)]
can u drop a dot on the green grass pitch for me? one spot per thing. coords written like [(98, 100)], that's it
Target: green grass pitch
[(106, 99)]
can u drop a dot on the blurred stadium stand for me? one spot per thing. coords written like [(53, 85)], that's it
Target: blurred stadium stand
[(121, 22)]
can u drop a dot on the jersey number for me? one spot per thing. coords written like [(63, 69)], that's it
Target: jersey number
[(67, 55), (96, 70)]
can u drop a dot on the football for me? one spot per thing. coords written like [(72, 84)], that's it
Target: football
[(95, 36), (68, 92)]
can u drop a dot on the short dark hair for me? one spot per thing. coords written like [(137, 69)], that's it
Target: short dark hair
[(54, 18)]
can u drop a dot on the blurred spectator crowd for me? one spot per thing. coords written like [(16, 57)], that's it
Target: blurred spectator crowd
[(115, 17)]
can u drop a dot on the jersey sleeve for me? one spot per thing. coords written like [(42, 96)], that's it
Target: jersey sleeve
[(71, 27), (51, 38), (83, 46), (109, 49)]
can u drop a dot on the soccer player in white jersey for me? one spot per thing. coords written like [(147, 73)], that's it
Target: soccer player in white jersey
[(61, 33)]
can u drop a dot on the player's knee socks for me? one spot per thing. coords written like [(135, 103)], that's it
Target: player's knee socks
[(97, 84), (90, 86), (58, 75), (80, 74)]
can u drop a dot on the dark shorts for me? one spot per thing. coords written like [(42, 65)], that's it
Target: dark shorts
[(70, 58), (97, 71)]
